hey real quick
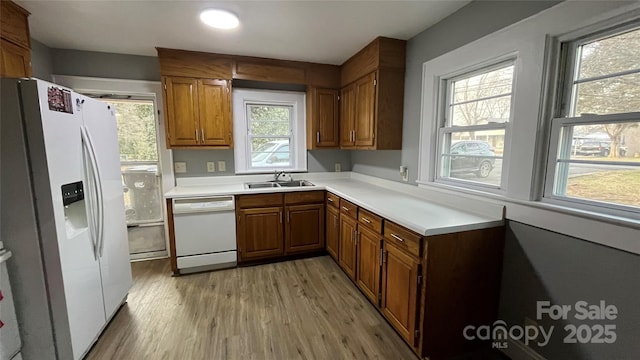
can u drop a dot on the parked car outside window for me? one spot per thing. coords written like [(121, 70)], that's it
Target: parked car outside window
[(472, 156), (272, 153)]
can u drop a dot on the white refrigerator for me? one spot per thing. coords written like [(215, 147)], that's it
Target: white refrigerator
[(62, 215)]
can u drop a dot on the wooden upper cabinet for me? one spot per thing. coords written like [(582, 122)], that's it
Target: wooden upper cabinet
[(347, 116), (216, 123), (365, 111), (374, 120), (304, 231), (400, 285), (15, 44), (198, 112), (322, 118), (15, 61), (181, 96)]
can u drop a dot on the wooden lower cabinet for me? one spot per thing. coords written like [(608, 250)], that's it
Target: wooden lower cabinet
[(400, 284), (368, 262), (304, 231), (348, 253), (260, 233), (271, 226), (333, 232)]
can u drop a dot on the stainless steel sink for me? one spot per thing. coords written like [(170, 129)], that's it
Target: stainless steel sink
[(295, 183), (276, 184), (261, 185)]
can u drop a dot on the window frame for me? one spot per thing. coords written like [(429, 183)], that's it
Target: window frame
[(564, 103), (445, 118), (242, 99)]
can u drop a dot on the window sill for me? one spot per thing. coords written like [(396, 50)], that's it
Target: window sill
[(587, 225)]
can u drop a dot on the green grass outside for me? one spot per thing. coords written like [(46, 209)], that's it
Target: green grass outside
[(619, 187)]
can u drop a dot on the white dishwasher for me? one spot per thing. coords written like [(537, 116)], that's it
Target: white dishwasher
[(205, 233)]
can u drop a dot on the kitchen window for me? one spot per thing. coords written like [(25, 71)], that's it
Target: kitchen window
[(594, 158), (269, 128), (474, 126)]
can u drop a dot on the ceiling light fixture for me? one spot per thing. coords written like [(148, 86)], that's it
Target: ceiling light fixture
[(219, 19)]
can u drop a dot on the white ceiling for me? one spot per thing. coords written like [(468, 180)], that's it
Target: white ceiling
[(317, 31)]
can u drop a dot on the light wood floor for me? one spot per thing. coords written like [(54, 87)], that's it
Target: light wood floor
[(302, 309)]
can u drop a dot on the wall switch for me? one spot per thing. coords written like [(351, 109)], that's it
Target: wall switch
[(211, 166), (404, 172), (180, 167), (338, 167), (222, 166)]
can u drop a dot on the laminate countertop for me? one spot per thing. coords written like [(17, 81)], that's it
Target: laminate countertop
[(415, 213)]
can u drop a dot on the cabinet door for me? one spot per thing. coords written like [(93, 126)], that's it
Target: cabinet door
[(365, 110), (400, 291), (214, 103), (333, 232), (368, 274), (347, 116), (14, 60), (325, 115), (182, 112), (348, 228), (305, 228), (260, 233)]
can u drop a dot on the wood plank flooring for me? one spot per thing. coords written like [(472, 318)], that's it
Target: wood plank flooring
[(302, 309)]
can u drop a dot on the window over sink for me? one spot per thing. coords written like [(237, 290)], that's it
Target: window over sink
[(269, 128)]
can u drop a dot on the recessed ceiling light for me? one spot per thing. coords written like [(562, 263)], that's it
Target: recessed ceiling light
[(219, 19)]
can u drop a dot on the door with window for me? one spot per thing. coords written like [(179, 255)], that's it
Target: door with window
[(141, 175)]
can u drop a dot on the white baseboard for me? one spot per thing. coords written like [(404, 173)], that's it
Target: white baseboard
[(517, 350)]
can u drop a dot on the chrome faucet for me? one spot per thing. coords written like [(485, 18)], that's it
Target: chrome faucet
[(277, 174)]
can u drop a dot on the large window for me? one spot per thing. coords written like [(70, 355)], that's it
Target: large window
[(474, 126), (269, 130), (595, 141)]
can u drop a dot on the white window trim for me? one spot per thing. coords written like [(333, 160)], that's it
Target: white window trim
[(444, 102), (531, 132), (298, 144), (554, 149), (564, 107)]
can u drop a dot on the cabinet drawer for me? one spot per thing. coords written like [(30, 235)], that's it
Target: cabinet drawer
[(333, 200), (402, 237), (304, 197), (370, 220), (258, 200), (348, 208)]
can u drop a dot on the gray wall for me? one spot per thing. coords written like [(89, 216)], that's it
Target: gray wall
[(105, 65), (317, 161), (540, 265), (41, 60), (470, 23)]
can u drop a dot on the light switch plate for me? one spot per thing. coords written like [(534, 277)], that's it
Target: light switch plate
[(180, 167), (404, 172), (222, 166), (211, 166)]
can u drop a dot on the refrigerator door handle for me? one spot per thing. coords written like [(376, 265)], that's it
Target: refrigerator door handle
[(100, 195), (91, 184)]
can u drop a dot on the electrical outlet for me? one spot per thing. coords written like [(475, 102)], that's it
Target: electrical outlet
[(180, 167), (211, 166), (222, 166), (338, 167)]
